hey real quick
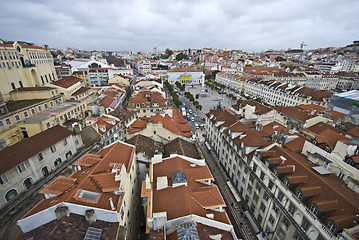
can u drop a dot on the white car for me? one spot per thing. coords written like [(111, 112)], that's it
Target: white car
[(192, 119)]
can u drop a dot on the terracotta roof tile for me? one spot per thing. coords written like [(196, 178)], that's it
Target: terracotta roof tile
[(67, 82), (15, 154)]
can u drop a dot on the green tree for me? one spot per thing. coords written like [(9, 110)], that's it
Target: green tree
[(181, 56)]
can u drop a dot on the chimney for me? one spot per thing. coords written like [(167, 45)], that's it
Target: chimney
[(148, 184), (111, 203)]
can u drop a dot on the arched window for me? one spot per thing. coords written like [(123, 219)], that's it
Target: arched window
[(28, 183), (58, 161), (45, 171), (68, 154), (10, 194)]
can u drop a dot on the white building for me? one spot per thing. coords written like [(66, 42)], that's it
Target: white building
[(287, 197), (104, 187), (186, 75), (30, 160)]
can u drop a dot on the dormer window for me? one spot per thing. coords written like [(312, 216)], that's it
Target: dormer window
[(286, 182), (299, 194), (314, 210), (315, 142), (275, 172), (331, 227), (327, 149)]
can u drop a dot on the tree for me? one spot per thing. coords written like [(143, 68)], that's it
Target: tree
[(279, 59), (181, 56)]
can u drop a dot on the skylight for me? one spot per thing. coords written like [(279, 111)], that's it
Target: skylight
[(93, 196)]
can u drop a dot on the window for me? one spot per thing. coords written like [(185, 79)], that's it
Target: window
[(255, 197), (281, 234), (299, 194), (3, 179), (271, 219), (291, 209), (26, 115), (266, 196), (286, 182), (53, 149), (65, 142), (331, 227), (77, 142), (249, 188), (33, 111), (8, 122), (314, 209), (275, 208), (270, 185), (21, 167), (1, 124), (17, 117), (305, 225), (261, 176), (40, 108), (40, 157), (280, 196), (10, 194), (262, 207)]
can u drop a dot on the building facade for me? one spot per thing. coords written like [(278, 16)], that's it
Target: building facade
[(26, 162), (24, 65)]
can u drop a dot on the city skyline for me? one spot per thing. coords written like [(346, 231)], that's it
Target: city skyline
[(142, 25)]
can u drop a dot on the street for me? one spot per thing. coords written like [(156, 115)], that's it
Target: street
[(240, 223)]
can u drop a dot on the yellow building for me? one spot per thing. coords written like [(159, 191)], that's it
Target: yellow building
[(18, 111), (83, 75), (57, 115), (24, 65)]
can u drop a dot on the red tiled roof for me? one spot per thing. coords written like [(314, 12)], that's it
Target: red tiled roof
[(184, 69), (67, 82), (32, 89), (98, 178), (15, 154), (195, 198), (81, 90)]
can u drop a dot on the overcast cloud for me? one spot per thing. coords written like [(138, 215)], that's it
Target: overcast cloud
[(251, 25)]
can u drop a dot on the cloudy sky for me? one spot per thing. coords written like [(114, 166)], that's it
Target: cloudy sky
[(141, 25)]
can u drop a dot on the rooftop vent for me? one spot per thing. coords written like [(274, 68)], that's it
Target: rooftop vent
[(210, 215), (283, 158)]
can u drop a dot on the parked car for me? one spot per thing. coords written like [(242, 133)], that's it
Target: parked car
[(192, 119)]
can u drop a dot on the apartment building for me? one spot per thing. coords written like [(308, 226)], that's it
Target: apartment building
[(13, 112), (57, 115), (24, 65), (106, 128), (287, 196), (147, 103), (283, 94), (180, 201), (233, 81), (103, 189), (67, 86), (161, 128), (28, 161)]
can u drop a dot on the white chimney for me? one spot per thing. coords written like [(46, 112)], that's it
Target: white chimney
[(111, 203), (148, 184)]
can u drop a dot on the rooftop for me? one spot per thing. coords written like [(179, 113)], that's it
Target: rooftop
[(15, 154)]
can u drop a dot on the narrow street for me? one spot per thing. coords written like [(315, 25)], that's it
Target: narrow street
[(233, 207)]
